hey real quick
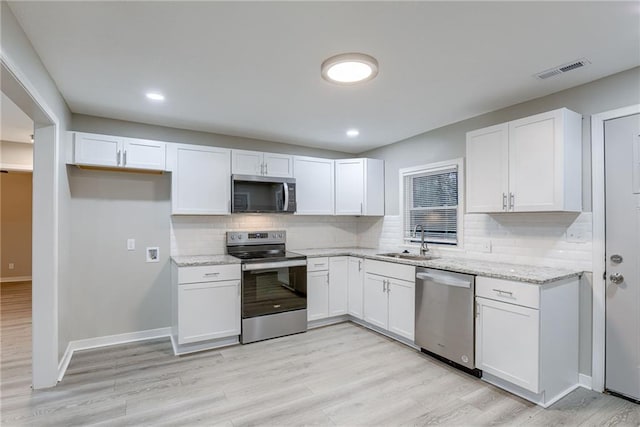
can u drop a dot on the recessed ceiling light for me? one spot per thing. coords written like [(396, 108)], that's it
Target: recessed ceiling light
[(352, 133), (155, 96), (349, 68)]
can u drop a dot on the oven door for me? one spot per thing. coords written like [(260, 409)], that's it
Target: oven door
[(273, 287)]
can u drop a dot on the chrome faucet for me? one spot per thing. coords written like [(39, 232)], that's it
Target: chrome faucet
[(423, 245)]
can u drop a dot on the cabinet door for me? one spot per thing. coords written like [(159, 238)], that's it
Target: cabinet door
[(200, 181), (208, 311), (246, 162), (402, 308), (143, 154), (97, 150), (488, 169), (375, 300), (507, 342), (356, 283), (315, 186), (338, 285), (535, 162), (317, 295), (349, 186), (278, 165)]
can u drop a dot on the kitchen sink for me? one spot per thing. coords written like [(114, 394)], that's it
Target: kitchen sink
[(411, 257)]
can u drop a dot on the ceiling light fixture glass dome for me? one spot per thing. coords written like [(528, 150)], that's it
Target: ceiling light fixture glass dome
[(349, 68)]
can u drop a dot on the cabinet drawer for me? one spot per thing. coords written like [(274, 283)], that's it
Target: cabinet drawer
[(317, 264), (208, 273), (519, 293), (390, 269)]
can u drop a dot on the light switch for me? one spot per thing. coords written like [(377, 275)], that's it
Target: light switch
[(131, 244)]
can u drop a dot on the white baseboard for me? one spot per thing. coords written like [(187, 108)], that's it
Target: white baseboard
[(105, 341), (15, 279), (585, 381)]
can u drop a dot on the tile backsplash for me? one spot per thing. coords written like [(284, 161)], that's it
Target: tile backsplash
[(545, 239)]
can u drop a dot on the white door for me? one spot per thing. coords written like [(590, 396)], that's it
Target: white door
[(143, 154), (338, 285), (97, 150), (314, 185), (208, 311), (247, 162), (278, 165), (507, 342), (349, 186), (488, 169), (535, 162), (356, 283), (402, 296), (200, 180), (376, 302), (622, 186), (317, 295)]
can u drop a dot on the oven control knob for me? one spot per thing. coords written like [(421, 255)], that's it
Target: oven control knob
[(280, 235), (233, 237)]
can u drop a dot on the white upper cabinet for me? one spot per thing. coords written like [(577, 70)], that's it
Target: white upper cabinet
[(359, 187), (315, 185), (200, 180), (118, 152), (527, 165), (258, 163)]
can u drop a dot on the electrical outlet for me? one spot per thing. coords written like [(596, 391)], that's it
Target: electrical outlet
[(486, 246), (153, 254), (11, 266), (131, 244)]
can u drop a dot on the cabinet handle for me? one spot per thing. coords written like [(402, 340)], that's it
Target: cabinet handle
[(500, 291), (261, 168), (504, 201), (359, 265), (211, 274), (118, 158), (124, 158), (383, 286), (512, 201), (388, 286), (266, 169)]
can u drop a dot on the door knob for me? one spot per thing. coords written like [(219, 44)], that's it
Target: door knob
[(616, 279)]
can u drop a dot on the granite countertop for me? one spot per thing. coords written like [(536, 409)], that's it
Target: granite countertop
[(499, 270), (196, 260)]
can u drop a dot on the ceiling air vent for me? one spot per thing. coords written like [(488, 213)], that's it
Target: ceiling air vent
[(564, 68)]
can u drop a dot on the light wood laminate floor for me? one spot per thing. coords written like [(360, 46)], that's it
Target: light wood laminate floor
[(337, 375)]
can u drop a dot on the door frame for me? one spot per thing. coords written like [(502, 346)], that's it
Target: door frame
[(45, 237), (599, 239)]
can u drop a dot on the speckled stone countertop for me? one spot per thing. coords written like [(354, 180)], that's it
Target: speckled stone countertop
[(499, 270), (196, 260)]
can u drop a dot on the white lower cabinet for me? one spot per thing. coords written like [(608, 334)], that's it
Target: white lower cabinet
[(208, 311), (206, 306), (355, 285), (317, 295), (527, 337), (389, 297), (338, 285)]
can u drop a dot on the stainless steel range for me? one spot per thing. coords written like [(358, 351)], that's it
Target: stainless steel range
[(274, 285)]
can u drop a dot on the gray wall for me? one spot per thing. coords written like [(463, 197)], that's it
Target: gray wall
[(116, 291), (83, 123), (448, 142)]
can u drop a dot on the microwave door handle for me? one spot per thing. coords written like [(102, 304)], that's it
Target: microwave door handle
[(286, 197)]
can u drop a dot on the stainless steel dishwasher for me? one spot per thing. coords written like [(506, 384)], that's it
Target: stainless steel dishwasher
[(445, 317)]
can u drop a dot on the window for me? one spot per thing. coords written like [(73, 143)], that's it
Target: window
[(431, 199)]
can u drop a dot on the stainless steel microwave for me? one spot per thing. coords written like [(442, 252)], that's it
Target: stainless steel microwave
[(262, 194)]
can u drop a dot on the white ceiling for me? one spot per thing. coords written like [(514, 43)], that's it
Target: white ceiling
[(15, 125), (253, 68)]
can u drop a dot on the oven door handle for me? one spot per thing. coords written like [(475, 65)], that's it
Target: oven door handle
[(275, 264)]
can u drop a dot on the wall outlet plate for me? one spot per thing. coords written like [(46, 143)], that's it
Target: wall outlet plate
[(153, 254)]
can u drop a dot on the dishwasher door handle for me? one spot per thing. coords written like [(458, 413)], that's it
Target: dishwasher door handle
[(444, 280)]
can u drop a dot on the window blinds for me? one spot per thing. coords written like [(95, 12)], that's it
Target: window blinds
[(431, 200)]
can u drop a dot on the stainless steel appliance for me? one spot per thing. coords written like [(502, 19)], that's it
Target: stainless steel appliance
[(252, 194), (274, 285), (445, 317)]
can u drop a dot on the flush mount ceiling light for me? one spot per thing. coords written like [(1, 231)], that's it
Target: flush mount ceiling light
[(155, 96), (349, 68), (352, 133)]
